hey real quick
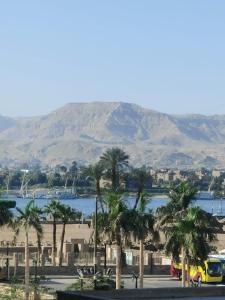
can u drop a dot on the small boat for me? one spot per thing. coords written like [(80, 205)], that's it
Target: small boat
[(204, 195)]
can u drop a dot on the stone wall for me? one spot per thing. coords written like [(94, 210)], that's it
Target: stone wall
[(71, 271), (73, 231)]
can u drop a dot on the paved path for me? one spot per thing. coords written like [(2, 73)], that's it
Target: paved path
[(61, 283)]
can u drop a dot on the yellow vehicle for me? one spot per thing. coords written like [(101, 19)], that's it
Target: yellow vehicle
[(210, 271)]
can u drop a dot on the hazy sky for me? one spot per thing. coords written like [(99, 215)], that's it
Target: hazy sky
[(162, 54)]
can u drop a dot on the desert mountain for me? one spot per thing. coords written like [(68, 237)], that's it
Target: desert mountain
[(82, 131)]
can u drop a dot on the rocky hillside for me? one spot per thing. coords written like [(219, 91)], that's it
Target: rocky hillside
[(82, 131)]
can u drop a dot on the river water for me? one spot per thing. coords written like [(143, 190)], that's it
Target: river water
[(87, 205)]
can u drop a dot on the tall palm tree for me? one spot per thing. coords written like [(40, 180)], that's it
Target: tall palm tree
[(180, 198), (95, 172), (114, 159), (65, 172), (73, 171), (5, 212), (143, 227), (174, 214), (66, 213), (191, 235), (115, 225), (141, 175), (53, 208), (27, 219)]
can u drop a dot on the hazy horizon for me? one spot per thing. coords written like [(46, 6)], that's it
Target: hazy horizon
[(109, 101)]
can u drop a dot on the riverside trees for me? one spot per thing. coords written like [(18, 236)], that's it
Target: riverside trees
[(66, 214), (115, 225), (114, 159), (188, 230), (59, 212), (27, 219), (53, 209)]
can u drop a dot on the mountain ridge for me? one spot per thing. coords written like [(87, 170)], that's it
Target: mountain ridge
[(82, 131)]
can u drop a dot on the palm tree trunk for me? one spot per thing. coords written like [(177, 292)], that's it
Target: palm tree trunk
[(188, 271), (141, 264), (65, 186), (54, 244), (7, 185), (61, 244), (98, 193), (114, 179), (118, 267), (27, 268), (39, 249), (183, 267), (137, 198), (73, 185)]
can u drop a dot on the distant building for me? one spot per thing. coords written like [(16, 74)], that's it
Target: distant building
[(216, 173)]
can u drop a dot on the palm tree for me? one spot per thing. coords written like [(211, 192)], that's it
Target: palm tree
[(27, 219), (73, 171), (5, 212), (191, 235), (53, 209), (175, 214), (141, 175), (143, 227), (114, 159), (66, 213), (65, 172), (95, 172), (115, 225), (180, 200)]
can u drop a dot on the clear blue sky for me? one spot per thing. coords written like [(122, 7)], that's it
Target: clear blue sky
[(168, 55)]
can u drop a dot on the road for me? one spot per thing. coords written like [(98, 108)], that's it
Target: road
[(63, 282)]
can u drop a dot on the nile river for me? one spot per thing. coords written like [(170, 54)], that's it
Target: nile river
[(87, 205)]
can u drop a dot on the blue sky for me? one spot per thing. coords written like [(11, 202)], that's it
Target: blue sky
[(166, 55)]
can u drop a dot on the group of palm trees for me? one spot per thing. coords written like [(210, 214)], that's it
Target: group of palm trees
[(188, 230), (30, 218)]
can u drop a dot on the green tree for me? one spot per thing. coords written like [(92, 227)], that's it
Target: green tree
[(5, 212), (114, 159), (180, 198), (64, 171), (27, 219), (53, 209), (95, 173), (54, 179), (73, 171), (66, 213), (116, 226), (174, 212), (191, 235), (141, 175), (142, 222)]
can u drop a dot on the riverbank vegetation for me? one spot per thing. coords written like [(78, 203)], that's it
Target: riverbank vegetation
[(188, 231), (86, 179)]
